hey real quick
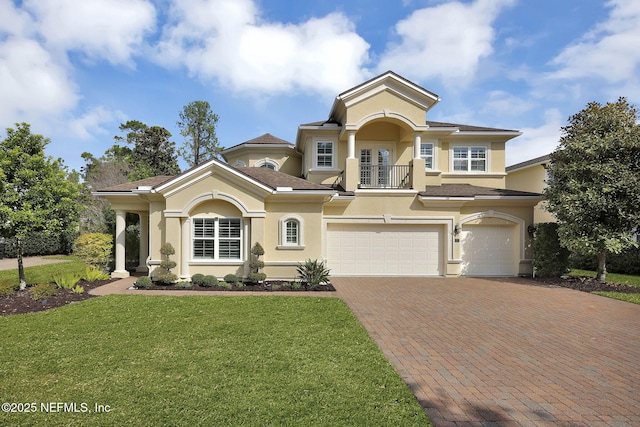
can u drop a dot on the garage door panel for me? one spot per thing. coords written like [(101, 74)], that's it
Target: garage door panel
[(488, 250), (388, 250)]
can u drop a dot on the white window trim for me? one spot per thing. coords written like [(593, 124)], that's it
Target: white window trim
[(268, 161), (469, 147), (282, 238), (216, 240), (334, 148), (433, 156)]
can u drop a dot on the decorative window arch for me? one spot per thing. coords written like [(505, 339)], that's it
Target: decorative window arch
[(268, 163), (291, 232), (239, 164)]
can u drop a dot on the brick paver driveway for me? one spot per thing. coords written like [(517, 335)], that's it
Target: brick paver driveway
[(503, 352)]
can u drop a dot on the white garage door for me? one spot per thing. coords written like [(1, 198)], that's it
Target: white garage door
[(488, 250), (384, 250)]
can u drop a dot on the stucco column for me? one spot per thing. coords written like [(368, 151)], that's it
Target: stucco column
[(185, 224), (121, 229), (417, 141), (144, 242), (351, 145)]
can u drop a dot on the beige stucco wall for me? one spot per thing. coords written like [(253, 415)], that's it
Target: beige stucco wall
[(531, 179), (385, 101)]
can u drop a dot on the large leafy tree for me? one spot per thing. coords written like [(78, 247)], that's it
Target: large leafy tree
[(198, 126), (594, 181), (36, 195), (152, 152)]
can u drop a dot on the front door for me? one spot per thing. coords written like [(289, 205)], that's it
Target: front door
[(375, 166)]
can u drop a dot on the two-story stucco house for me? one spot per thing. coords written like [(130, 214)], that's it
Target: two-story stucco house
[(375, 190)]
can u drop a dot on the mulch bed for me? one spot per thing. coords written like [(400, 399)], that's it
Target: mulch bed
[(587, 284), (21, 302), (268, 286)]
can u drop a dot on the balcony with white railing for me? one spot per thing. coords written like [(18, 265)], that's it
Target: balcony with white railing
[(385, 176)]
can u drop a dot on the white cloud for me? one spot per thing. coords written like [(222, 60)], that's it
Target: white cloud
[(109, 29), (33, 84), (609, 51), (503, 103), (227, 40), (446, 41), (536, 141), (92, 121)]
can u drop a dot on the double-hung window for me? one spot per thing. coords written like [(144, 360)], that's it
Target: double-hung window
[(324, 154), (426, 153), (217, 238), (470, 159)]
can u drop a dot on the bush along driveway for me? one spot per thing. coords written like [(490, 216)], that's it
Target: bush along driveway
[(505, 351)]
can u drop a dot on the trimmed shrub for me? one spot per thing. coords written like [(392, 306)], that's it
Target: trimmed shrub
[(209, 281), (166, 279), (256, 277), (550, 259), (94, 249), (231, 278), (43, 291), (197, 279), (143, 282)]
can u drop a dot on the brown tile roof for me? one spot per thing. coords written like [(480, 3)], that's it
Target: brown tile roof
[(538, 160), (468, 190), (275, 179), (267, 138), (467, 128), (130, 186)]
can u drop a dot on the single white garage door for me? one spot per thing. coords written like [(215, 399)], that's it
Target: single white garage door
[(384, 250), (488, 250)]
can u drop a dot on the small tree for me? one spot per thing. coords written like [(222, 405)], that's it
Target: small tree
[(594, 181), (198, 126), (167, 277), (35, 194), (256, 264)]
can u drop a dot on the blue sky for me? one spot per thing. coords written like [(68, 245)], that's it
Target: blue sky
[(75, 69)]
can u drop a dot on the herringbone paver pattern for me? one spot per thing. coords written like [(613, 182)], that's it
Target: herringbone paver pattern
[(503, 352)]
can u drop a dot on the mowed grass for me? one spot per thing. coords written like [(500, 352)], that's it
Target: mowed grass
[(192, 360), (622, 279), (45, 273)]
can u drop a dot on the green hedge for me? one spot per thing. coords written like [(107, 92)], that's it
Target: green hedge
[(36, 244), (627, 262), (549, 258)]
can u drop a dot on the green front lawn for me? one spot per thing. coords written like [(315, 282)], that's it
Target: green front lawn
[(623, 279), (45, 273), (193, 360)]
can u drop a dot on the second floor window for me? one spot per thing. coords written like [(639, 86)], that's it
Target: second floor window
[(324, 154), (469, 159), (426, 153)]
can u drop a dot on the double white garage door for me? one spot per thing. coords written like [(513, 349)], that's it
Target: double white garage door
[(417, 250), (384, 250)]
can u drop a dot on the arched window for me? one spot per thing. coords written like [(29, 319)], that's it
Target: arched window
[(239, 164), (268, 163), (291, 232)]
